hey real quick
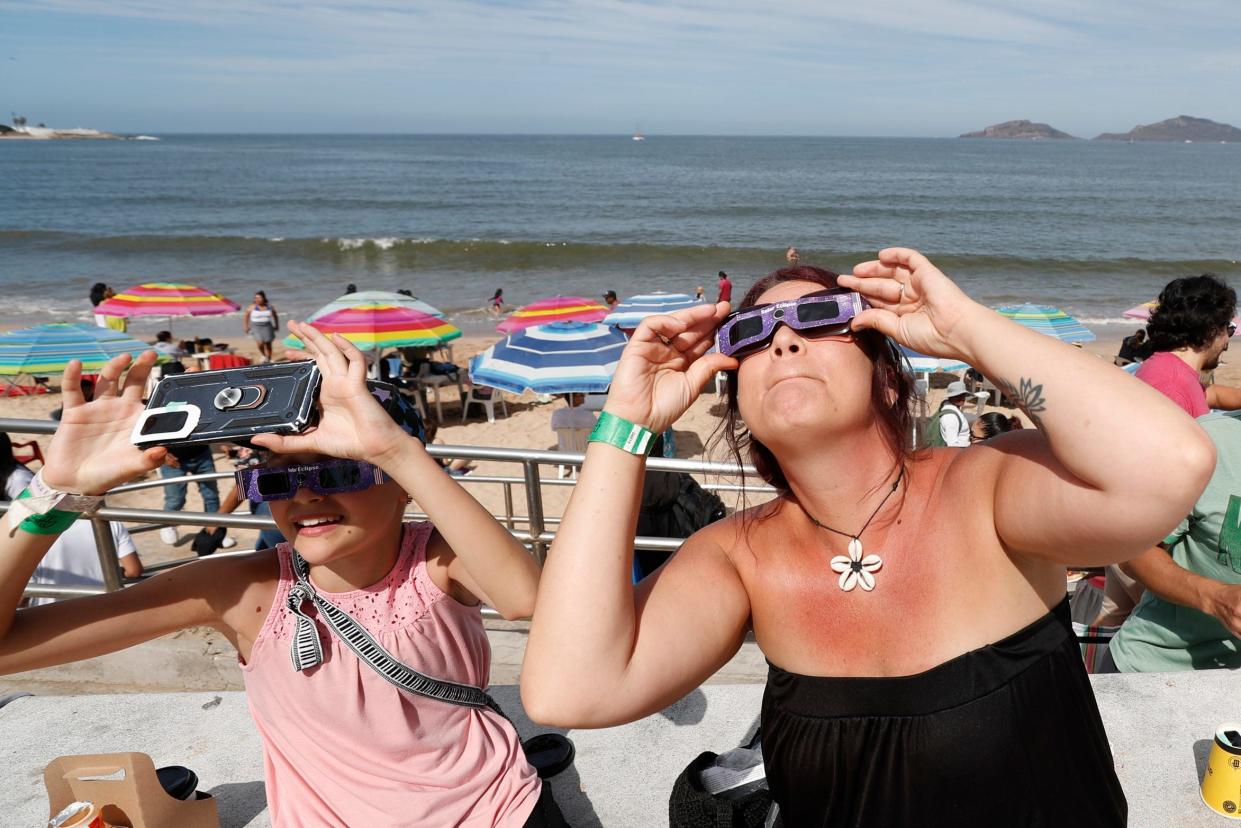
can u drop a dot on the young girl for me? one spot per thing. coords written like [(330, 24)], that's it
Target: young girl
[(342, 746)]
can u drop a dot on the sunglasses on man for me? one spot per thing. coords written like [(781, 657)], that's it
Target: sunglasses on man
[(816, 315)]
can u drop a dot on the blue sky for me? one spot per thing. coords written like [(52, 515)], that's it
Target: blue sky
[(900, 68)]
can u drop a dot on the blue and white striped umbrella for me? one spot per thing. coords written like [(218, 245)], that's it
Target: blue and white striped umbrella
[(630, 313), (558, 358), (47, 349), (923, 364), (1049, 321)]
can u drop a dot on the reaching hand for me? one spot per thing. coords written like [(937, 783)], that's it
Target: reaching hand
[(911, 301), (665, 365), (91, 451), (352, 424), (1227, 607)]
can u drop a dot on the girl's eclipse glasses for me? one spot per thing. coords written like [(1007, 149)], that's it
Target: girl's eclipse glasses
[(327, 478), (820, 314)]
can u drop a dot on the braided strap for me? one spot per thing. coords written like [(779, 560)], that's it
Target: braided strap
[(307, 650)]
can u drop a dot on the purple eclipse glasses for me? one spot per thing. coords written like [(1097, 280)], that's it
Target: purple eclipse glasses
[(326, 478), (818, 314)]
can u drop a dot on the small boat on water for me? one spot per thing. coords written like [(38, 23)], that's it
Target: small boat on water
[(638, 136)]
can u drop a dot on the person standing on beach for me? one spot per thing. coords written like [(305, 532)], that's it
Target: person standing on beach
[(262, 322), (1188, 332), (99, 292), (850, 577), (725, 288)]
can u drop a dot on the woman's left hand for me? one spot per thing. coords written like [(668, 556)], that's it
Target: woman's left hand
[(911, 301), (352, 424)]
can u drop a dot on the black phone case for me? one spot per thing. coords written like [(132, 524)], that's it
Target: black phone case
[(233, 404)]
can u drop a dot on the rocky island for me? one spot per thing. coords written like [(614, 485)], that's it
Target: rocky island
[(1180, 128), (20, 131), (1020, 130)]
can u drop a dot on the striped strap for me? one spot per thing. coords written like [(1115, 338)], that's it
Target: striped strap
[(307, 650)]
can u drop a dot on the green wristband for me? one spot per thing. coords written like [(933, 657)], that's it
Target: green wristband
[(52, 522), (619, 432)]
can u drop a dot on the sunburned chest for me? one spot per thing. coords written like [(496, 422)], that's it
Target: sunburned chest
[(805, 622)]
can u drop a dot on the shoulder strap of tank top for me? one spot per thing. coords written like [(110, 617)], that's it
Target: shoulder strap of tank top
[(307, 650)]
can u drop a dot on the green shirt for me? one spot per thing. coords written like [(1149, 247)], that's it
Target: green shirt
[(1161, 636)]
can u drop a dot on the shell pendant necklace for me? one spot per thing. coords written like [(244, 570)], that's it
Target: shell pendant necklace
[(855, 568)]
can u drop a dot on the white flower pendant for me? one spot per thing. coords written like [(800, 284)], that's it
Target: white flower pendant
[(855, 569)]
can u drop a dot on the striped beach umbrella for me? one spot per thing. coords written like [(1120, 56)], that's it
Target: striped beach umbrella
[(554, 309), (1050, 321), (922, 364), (560, 358), (166, 299), (377, 326), (47, 349), (630, 313), (376, 297)]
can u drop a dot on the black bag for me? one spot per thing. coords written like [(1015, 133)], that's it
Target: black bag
[(697, 803), (695, 507)]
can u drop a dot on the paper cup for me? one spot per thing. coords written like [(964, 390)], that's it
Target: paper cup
[(1221, 784)]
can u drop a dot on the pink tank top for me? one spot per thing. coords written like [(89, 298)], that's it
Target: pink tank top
[(343, 747)]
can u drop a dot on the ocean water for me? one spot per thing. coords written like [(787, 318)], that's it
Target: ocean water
[(1092, 227)]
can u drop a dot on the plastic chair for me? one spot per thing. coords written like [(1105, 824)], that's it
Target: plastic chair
[(427, 379), (36, 453), (487, 398), (573, 440)]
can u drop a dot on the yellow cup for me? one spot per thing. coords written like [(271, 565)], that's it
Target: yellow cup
[(1221, 785)]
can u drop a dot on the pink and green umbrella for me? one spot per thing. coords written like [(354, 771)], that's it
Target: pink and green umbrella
[(555, 309), (1144, 311), (377, 326), (166, 299)]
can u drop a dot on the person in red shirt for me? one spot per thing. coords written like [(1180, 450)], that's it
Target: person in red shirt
[(726, 288), (1189, 331)]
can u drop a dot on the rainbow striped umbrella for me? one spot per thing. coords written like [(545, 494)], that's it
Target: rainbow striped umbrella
[(1048, 320), (376, 297), (376, 326), (631, 312), (555, 309), (47, 349), (166, 299), (558, 358)]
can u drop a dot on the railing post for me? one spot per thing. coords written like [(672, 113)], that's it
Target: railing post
[(508, 505), (534, 507), (107, 554)]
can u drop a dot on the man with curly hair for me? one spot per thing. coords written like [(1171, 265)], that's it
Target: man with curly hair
[(1188, 331)]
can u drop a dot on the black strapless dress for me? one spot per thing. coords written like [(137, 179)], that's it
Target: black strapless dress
[(1006, 735)]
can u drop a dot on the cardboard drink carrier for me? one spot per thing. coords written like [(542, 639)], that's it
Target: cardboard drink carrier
[(126, 790)]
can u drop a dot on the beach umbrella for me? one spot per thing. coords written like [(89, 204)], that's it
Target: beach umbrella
[(47, 349), (554, 309), (1048, 320), (630, 313), (923, 364), (377, 326), (376, 297), (558, 358), (166, 299)]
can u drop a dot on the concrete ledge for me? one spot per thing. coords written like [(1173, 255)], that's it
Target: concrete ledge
[(1160, 726)]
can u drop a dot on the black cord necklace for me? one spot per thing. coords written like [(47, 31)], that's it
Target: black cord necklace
[(854, 568)]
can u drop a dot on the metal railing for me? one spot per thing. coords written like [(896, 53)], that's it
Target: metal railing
[(535, 534)]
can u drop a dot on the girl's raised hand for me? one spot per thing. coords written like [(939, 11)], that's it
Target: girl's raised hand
[(665, 365), (91, 451), (352, 424), (911, 301)]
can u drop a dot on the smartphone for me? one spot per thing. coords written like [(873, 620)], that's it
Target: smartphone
[(231, 404)]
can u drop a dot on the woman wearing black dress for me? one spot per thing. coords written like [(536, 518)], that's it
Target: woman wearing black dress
[(911, 603)]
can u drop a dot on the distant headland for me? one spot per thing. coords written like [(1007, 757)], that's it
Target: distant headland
[(20, 130), (1180, 128), (1021, 130)]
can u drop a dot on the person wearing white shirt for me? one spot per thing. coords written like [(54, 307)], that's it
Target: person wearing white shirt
[(954, 426)]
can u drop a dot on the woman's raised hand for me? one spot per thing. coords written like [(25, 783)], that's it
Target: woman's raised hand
[(351, 424), (911, 301), (665, 365), (91, 451)]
